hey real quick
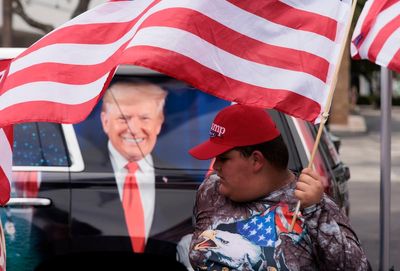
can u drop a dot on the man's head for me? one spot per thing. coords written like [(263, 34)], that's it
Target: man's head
[(132, 116), (236, 126), (251, 156)]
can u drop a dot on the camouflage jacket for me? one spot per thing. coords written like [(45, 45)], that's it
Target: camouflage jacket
[(255, 235)]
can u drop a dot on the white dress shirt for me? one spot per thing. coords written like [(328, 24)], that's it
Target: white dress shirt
[(145, 178)]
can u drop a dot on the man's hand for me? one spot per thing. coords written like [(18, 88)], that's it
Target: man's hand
[(309, 189)]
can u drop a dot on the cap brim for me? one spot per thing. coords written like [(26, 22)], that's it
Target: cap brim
[(208, 150)]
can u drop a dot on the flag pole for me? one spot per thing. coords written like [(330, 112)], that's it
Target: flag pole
[(325, 114), (384, 210)]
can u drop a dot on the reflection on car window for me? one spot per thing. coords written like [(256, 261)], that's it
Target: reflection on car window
[(39, 144), (187, 116), (329, 147), (287, 137)]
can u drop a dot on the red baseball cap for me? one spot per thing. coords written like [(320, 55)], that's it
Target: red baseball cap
[(235, 126)]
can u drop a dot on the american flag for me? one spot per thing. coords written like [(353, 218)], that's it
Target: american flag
[(6, 143), (377, 34), (263, 230), (259, 229), (283, 219), (268, 53)]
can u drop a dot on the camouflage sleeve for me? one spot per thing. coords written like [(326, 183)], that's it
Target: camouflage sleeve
[(335, 244), (203, 214)]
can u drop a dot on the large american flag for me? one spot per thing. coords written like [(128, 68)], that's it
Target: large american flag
[(377, 34), (6, 144), (266, 53)]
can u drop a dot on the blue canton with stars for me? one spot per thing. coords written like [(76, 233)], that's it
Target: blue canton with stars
[(259, 229)]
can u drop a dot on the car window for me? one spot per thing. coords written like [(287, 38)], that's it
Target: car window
[(288, 137), (188, 114), (39, 144), (329, 147), (308, 133), (326, 146)]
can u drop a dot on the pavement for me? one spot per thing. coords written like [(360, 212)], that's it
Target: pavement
[(361, 144), (355, 124), (360, 150)]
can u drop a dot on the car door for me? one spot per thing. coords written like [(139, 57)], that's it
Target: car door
[(326, 162), (36, 218)]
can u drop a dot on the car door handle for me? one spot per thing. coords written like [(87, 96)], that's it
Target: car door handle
[(39, 202)]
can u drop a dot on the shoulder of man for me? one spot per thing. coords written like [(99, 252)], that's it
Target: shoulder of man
[(209, 187), (326, 209), (208, 194)]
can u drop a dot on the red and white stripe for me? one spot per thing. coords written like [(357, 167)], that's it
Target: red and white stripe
[(266, 53), (283, 219), (6, 143), (377, 34)]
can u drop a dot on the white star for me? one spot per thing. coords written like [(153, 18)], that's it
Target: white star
[(261, 237), (269, 229), (270, 243), (253, 232), (254, 220), (268, 218), (259, 226), (246, 226)]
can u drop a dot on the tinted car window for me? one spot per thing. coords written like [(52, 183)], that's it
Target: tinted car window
[(39, 144), (188, 115), (287, 135), (327, 146)]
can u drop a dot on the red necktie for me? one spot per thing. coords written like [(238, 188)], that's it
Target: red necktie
[(133, 209)]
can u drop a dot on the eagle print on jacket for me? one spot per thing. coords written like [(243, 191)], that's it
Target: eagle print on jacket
[(255, 235)]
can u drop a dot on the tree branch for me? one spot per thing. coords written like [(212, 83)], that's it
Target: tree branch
[(19, 9), (82, 6)]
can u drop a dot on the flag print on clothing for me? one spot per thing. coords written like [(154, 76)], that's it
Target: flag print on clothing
[(263, 230), (251, 242), (259, 229), (227, 246), (283, 218)]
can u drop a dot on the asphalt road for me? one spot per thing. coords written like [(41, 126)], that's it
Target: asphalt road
[(361, 152)]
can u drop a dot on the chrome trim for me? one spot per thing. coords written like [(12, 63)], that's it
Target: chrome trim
[(134, 70), (75, 154), (28, 202)]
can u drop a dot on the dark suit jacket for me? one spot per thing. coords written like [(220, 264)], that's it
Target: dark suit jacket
[(96, 203)]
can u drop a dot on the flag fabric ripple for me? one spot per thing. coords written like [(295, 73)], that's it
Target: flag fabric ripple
[(266, 53), (377, 34), (6, 143)]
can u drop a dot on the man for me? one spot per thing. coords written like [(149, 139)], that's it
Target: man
[(132, 116), (243, 211)]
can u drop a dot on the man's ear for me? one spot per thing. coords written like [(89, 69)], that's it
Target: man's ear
[(258, 160), (104, 121)]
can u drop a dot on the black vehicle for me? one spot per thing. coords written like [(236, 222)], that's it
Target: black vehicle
[(63, 212)]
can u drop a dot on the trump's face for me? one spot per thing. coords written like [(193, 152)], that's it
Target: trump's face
[(133, 134)]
